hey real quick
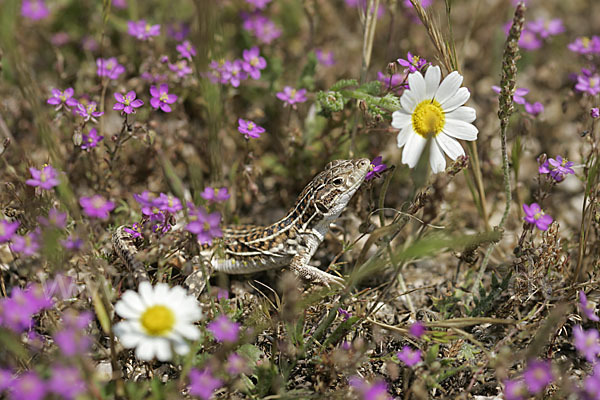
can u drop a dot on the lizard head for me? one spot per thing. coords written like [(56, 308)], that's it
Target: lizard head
[(336, 184)]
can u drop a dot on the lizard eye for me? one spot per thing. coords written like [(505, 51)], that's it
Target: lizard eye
[(338, 181)]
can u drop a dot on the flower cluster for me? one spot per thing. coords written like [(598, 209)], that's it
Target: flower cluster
[(142, 30), (88, 111), (7, 230), (557, 168), (158, 211), (536, 216), (71, 338), (83, 108), (588, 82), (34, 9), (291, 96), (205, 226), (96, 206), (249, 129), (536, 377), (161, 98), (396, 82), (203, 383), (215, 195), (376, 390), (46, 178), (17, 311), (261, 27), (375, 168), (585, 45), (519, 98), (536, 32), (326, 59), (234, 72), (409, 356), (413, 63), (127, 103), (65, 382), (224, 330), (62, 99), (90, 140), (109, 67)]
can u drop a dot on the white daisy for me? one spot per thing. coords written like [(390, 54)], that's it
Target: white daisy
[(431, 110), (157, 319)]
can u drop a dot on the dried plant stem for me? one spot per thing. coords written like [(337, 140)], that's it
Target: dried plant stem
[(369, 25), (506, 108), (476, 168)]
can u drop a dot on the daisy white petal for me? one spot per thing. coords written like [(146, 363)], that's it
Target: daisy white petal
[(146, 293), (449, 146), (449, 87), (145, 350), (416, 82), (460, 98), (130, 306), (408, 102), (436, 158), (412, 150), (403, 136), (460, 129), (400, 119), (432, 81), (466, 114), (163, 350), (181, 347)]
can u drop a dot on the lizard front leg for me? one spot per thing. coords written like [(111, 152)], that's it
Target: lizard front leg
[(196, 281), (299, 265)]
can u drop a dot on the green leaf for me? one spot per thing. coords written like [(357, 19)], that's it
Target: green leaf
[(251, 353), (344, 83), (432, 353), (373, 88), (340, 331)]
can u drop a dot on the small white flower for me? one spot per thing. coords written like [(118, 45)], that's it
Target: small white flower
[(431, 110), (156, 320)]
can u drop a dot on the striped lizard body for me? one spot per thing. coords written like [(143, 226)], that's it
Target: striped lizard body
[(289, 242)]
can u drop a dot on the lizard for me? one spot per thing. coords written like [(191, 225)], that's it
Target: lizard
[(290, 242)]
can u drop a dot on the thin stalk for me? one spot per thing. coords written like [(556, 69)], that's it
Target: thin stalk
[(370, 23), (506, 108)]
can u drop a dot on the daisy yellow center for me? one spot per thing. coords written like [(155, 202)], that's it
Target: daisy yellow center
[(428, 119), (158, 320)]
